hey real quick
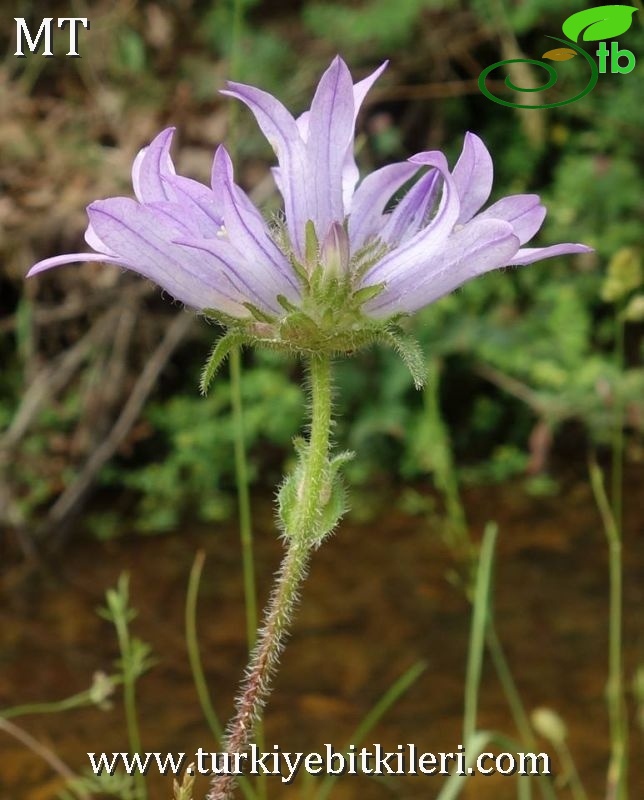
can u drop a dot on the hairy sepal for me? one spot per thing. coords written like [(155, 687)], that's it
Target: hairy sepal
[(331, 493)]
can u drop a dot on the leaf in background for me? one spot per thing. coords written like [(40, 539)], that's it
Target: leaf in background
[(560, 54), (603, 22), (130, 51)]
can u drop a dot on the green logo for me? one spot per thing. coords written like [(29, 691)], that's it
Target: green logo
[(603, 22)]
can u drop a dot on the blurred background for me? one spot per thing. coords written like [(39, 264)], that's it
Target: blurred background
[(110, 459)]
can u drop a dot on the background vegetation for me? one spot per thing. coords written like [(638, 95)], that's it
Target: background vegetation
[(98, 385), (102, 430)]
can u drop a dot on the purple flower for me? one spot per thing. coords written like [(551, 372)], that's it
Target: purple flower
[(342, 257)]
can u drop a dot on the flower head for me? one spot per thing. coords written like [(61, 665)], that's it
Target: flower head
[(345, 260)]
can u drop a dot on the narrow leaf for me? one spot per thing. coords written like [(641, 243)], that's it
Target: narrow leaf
[(388, 699), (410, 352), (218, 355)]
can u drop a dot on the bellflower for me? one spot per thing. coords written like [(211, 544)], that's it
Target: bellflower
[(342, 263)]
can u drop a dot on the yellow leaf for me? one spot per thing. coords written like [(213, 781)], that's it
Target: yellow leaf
[(560, 54)]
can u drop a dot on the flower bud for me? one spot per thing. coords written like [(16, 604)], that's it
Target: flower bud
[(548, 723), (334, 254)]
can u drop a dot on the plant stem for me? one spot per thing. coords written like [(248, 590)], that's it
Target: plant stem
[(515, 703), (442, 461), (44, 752), (129, 698), (617, 445), (480, 615), (616, 779), (241, 465), (194, 656), (283, 600), (192, 646), (243, 499), (80, 700)]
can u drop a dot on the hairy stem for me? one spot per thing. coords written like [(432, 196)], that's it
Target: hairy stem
[(285, 594)]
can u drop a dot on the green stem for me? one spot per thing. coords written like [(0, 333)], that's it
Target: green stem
[(129, 698), (570, 771), (371, 719), (194, 656), (513, 698), (443, 464), (243, 499), (283, 600), (618, 422), (616, 779), (192, 646), (241, 465), (84, 698), (480, 614)]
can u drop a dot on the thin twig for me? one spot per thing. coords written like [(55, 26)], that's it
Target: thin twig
[(42, 751), (53, 378), (46, 315), (74, 493)]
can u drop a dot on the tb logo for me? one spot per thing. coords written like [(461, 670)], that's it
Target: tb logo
[(596, 24)]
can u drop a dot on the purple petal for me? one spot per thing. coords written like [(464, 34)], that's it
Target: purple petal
[(151, 163), (528, 255), (180, 217), (280, 129), (94, 242), (449, 208), (436, 232), (370, 200), (201, 204), (350, 173), (253, 285), (143, 237), (71, 258), (479, 247), (472, 176), (412, 211), (246, 230), (523, 211), (331, 125), (430, 237), (361, 88)]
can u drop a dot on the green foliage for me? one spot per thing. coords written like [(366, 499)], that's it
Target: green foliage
[(518, 348), (385, 26), (119, 786), (193, 473)]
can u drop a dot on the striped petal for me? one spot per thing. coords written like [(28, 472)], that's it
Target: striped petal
[(473, 176), (331, 125), (371, 198), (280, 129), (143, 240), (246, 229), (528, 255), (479, 247), (149, 167)]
